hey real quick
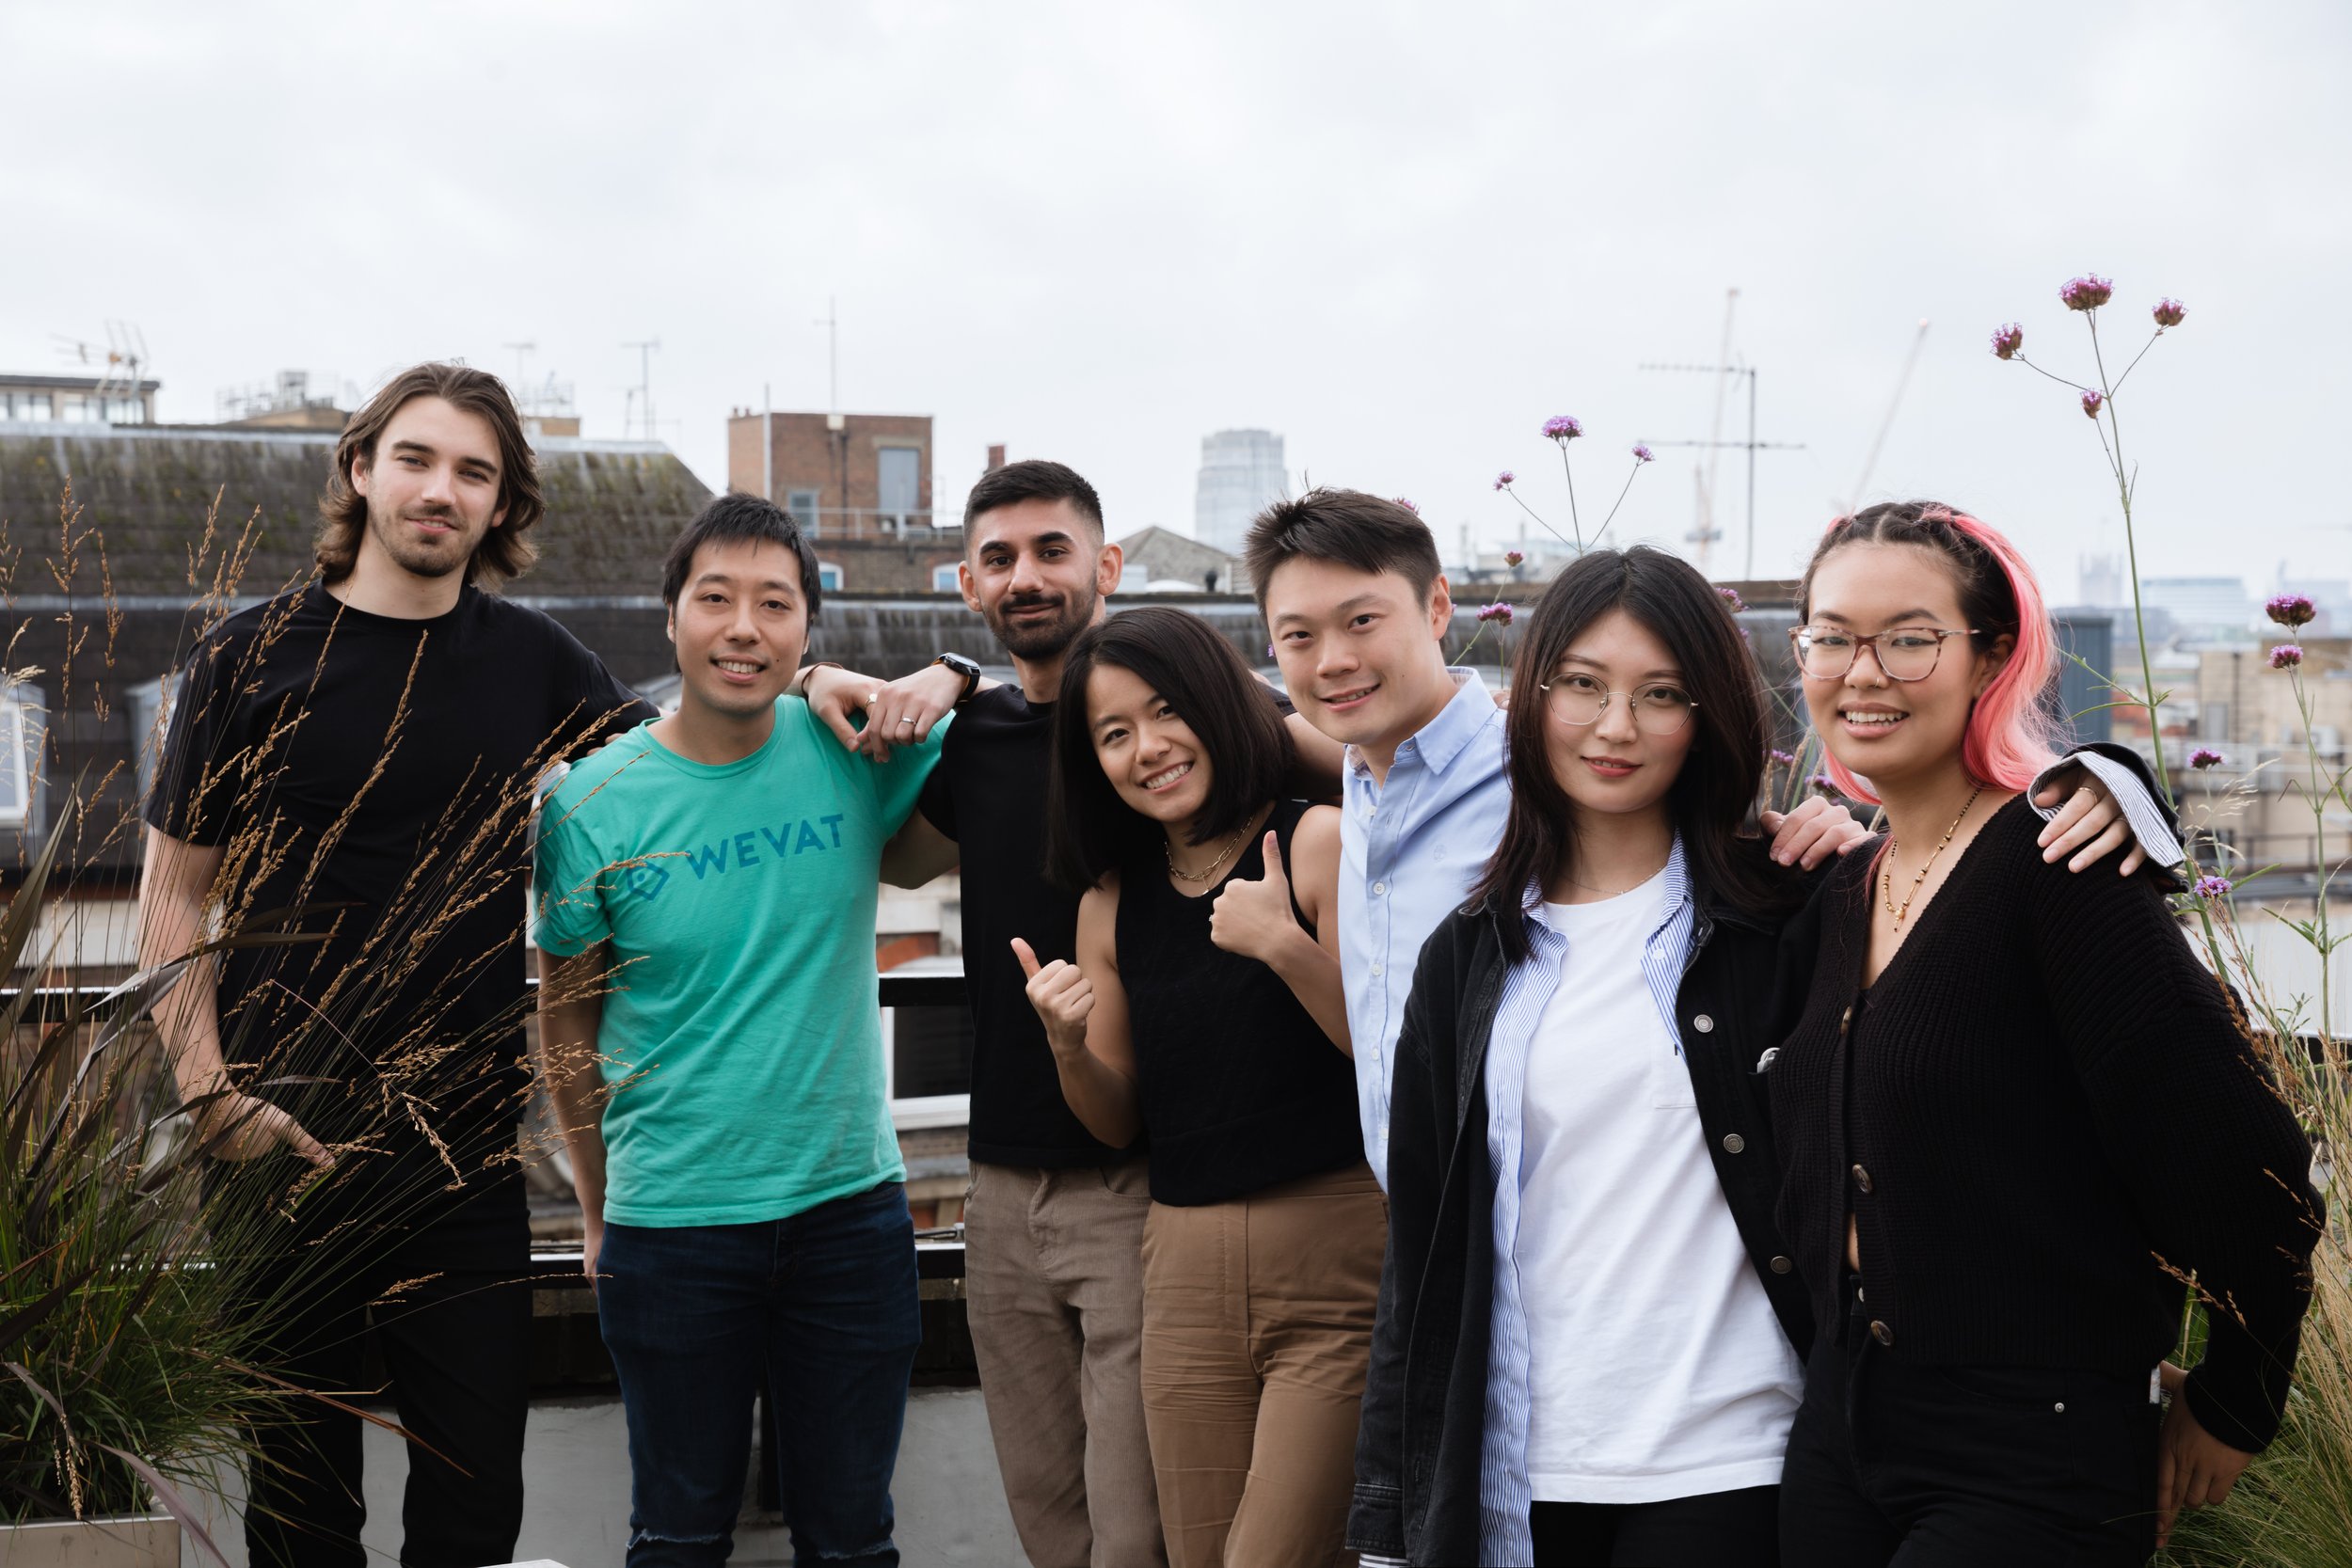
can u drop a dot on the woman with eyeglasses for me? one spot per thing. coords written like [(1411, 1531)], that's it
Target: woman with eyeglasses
[(2015, 1115), (1590, 1339)]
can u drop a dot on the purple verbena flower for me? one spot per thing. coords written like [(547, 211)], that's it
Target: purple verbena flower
[(1406, 505), (1821, 784), (2290, 610), (1780, 759), (2204, 756), (2169, 311), (2092, 401), (2213, 887), (1560, 427), (1731, 596), (1502, 479), (1642, 453), (1269, 650), (2007, 341), (1497, 613), (2086, 292), (2286, 656), (1512, 558)]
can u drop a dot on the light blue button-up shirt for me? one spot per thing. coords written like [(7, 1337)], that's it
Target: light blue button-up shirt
[(1505, 1492), (1411, 846)]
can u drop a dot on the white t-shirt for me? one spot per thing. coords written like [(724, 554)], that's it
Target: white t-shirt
[(1657, 1369)]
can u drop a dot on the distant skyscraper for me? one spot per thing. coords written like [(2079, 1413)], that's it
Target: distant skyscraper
[(1241, 472)]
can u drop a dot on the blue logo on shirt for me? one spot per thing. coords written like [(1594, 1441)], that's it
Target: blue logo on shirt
[(647, 882), (745, 847)]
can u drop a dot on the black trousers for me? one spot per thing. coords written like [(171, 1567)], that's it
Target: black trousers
[(1896, 1463), (455, 1341), (1722, 1530)]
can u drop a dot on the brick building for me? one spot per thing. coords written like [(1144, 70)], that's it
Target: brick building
[(861, 485)]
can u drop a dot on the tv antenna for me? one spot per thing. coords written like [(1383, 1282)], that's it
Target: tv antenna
[(120, 359), (1706, 533), (831, 323), (640, 396), (523, 363)]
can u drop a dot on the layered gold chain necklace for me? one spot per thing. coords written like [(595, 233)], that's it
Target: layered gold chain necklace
[(1230, 844), (1886, 877)]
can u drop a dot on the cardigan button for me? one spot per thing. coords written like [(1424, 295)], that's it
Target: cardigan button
[(1704, 1024), (1734, 1142), (1862, 1178), (1782, 1265), (1883, 1334)]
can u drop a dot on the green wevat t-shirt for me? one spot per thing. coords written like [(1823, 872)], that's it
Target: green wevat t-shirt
[(741, 1042)]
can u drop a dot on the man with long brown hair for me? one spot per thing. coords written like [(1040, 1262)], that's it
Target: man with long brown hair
[(362, 751)]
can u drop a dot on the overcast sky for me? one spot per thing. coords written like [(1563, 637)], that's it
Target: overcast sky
[(1399, 235)]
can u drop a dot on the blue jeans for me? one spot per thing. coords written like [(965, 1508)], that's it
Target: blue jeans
[(822, 1308)]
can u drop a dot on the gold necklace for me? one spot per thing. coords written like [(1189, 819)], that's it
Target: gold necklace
[(1887, 876), (1202, 876)]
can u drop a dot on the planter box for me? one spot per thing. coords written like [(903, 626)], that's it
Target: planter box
[(147, 1541)]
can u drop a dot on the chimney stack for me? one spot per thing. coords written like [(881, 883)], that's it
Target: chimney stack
[(996, 457)]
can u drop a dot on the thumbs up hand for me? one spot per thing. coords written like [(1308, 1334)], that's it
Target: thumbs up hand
[(1062, 996), (1254, 919)]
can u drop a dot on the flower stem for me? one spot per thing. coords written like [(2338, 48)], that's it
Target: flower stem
[(1573, 521), (2130, 550), (1620, 501), (1538, 516)]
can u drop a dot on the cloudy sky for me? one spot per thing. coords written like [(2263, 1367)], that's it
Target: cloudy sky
[(1400, 235)]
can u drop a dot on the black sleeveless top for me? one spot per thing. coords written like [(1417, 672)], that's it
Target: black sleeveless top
[(1240, 1088)]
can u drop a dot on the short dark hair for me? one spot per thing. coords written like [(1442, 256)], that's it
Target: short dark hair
[(1088, 829), (1710, 797), (503, 551), (1031, 480), (736, 517), (1347, 528)]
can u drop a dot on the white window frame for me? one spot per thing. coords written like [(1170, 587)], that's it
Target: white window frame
[(944, 579), (21, 727), (828, 576)]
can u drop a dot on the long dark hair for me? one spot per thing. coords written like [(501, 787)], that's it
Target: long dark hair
[(1710, 797), (1088, 829), (503, 552)]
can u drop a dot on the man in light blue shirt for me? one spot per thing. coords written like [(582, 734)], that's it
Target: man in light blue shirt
[(1356, 602)]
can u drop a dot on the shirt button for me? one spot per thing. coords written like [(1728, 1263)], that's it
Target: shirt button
[(1734, 1142), (1380, 970), (1861, 1177), (1379, 887), (1883, 1334), (1704, 1024), (1782, 1265)]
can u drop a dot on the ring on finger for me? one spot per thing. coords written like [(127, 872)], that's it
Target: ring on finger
[(906, 721)]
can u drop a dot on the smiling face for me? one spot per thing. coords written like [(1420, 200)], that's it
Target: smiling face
[(1361, 654), (1612, 765), (1891, 732), (1150, 756), (740, 624), (432, 487), (1036, 571)]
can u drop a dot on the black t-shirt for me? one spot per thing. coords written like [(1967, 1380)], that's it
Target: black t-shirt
[(374, 775), (988, 794)]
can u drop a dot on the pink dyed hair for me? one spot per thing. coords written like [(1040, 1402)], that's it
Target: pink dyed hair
[(2012, 733)]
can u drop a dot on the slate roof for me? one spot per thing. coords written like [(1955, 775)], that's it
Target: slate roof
[(613, 506)]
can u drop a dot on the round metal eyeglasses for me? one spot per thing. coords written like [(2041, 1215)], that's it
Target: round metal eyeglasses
[(1903, 653), (1579, 700)]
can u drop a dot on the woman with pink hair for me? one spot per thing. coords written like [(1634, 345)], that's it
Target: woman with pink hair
[(2015, 1116)]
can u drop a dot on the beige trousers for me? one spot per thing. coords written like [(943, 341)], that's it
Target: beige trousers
[(1257, 1329), (1053, 1292)]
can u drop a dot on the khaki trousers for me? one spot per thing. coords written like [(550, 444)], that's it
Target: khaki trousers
[(1257, 1329), (1053, 1292)]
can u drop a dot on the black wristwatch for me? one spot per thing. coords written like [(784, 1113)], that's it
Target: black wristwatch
[(964, 667)]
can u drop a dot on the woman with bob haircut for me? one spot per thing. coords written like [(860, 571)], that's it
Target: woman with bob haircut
[(1204, 1013), (2015, 1115), (1591, 1333)]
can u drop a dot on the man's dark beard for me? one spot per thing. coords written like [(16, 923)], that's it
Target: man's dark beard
[(1039, 639)]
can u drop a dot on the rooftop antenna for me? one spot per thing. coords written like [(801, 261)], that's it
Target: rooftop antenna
[(643, 391), (831, 323), (522, 359), (1870, 462), (1725, 370)]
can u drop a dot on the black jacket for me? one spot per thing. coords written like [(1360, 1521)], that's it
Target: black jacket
[(1417, 1450)]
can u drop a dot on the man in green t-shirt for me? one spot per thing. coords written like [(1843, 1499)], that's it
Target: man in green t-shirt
[(704, 906)]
